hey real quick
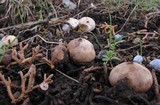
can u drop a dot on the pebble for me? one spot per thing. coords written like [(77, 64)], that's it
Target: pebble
[(118, 36), (155, 64), (138, 59)]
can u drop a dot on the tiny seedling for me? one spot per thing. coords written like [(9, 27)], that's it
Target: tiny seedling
[(109, 57), (112, 43)]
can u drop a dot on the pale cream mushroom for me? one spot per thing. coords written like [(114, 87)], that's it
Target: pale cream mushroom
[(72, 23), (81, 50), (9, 39), (89, 22), (138, 76)]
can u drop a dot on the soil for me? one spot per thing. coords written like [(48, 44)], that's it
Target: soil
[(85, 84)]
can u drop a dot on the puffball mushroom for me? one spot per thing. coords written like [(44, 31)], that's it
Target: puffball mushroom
[(6, 59), (81, 50), (9, 39), (89, 22), (59, 54), (72, 23), (2, 1), (139, 77)]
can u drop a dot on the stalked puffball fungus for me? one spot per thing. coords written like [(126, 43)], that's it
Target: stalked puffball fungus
[(155, 64), (88, 22), (138, 76), (59, 54), (9, 39), (138, 59), (81, 50), (72, 23)]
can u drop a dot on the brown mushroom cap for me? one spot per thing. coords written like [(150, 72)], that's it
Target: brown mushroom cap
[(81, 50), (59, 53), (139, 77)]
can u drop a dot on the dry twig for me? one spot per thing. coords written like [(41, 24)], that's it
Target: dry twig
[(156, 86), (149, 16)]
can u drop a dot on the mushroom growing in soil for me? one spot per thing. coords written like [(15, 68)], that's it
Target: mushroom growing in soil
[(138, 76), (9, 39), (59, 54), (88, 22), (81, 50), (7, 57), (72, 23)]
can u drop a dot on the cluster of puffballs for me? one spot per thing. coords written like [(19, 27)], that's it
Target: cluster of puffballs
[(81, 51), (73, 23)]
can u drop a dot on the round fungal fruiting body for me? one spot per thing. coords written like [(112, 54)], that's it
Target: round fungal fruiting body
[(89, 22), (138, 76), (81, 50), (9, 39), (59, 54), (72, 23)]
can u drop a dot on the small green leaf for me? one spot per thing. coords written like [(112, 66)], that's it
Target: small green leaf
[(105, 59), (1, 44), (104, 56), (110, 53), (2, 51), (115, 58)]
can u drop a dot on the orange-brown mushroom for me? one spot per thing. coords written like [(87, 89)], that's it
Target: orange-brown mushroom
[(59, 54)]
